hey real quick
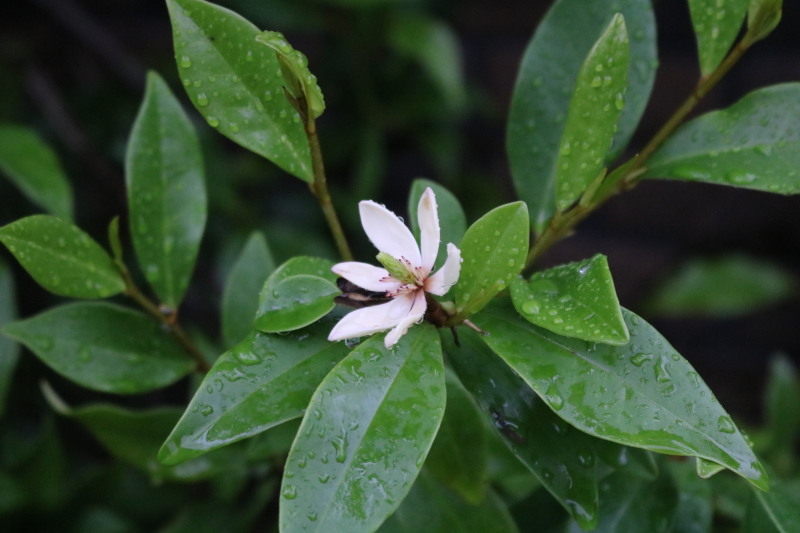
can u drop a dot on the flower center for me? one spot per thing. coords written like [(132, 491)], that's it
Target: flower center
[(401, 269)]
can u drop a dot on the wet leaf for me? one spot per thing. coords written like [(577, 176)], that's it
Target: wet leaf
[(716, 25), (594, 112), (236, 83), (545, 86), (575, 300), (754, 144), (62, 258), (103, 347), (643, 394), (365, 435), (261, 382), (452, 220), (33, 168), (9, 349), (493, 252), (166, 192)]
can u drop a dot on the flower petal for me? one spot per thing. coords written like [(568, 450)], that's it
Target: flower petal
[(446, 276), (428, 218), (366, 276), (372, 319), (414, 315), (387, 232)]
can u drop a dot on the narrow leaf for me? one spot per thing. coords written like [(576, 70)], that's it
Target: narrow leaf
[(576, 300), (643, 394), (754, 144), (545, 86), (240, 296), (452, 220), (9, 349), (236, 83), (166, 192), (103, 347), (34, 169), (716, 25), (261, 382), (594, 111), (62, 258), (365, 436), (493, 251)]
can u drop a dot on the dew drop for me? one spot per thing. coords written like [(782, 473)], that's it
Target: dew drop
[(185, 62), (202, 99), (725, 425), (289, 492)]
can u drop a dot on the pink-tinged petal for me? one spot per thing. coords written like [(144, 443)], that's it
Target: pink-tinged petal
[(428, 218), (446, 276), (414, 315), (372, 319), (366, 276), (387, 232)]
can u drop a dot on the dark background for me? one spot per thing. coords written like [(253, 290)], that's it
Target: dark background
[(74, 70)]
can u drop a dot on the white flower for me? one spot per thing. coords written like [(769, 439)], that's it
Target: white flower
[(406, 275)]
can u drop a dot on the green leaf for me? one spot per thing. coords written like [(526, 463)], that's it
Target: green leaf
[(561, 458), (754, 144), (458, 457), (62, 258), (365, 436), (707, 469), (296, 302), (236, 83), (452, 220), (782, 405), (493, 251), (240, 296), (643, 394), (716, 25), (594, 112), (166, 192), (725, 286), (695, 511), (273, 293), (432, 508), (259, 383), (135, 436), (34, 169), (575, 300), (763, 16), (103, 347), (775, 511), (547, 80), (9, 349)]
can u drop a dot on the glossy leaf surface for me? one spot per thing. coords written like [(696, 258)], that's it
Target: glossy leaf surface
[(62, 258), (34, 168), (716, 25), (594, 111), (104, 347), (575, 300), (545, 84), (259, 383), (754, 144), (452, 220), (236, 83), (643, 394), (493, 252), (563, 459), (365, 436), (245, 280), (166, 192), (9, 349)]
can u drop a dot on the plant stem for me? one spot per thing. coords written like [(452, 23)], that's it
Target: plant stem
[(563, 223)]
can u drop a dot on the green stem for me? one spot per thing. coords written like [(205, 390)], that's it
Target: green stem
[(563, 222)]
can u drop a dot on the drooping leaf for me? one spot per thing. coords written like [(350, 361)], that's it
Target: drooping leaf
[(754, 144), (545, 85), (236, 83), (493, 252), (716, 25), (166, 192), (707, 469), (725, 286), (9, 349), (575, 299), (365, 435), (103, 346), (259, 383), (34, 169), (240, 296), (452, 220), (62, 258), (563, 459), (643, 394), (594, 111)]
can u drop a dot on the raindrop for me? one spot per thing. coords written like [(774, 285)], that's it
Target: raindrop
[(725, 424), (289, 492), (353, 342), (213, 122), (640, 358), (202, 99), (531, 307), (186, 62)]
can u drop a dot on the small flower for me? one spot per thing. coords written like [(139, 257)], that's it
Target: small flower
[(406, 273)]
